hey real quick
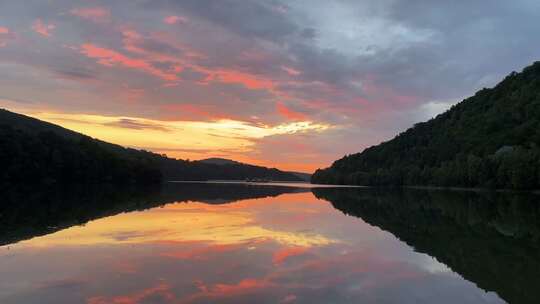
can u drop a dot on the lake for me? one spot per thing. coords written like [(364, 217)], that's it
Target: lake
[(268, 243)]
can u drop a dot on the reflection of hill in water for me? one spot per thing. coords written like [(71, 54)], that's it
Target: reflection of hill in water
[(222, 193), (491, 239), (27, 213)]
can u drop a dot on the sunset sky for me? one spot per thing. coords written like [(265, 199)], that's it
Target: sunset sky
[(289, 84)]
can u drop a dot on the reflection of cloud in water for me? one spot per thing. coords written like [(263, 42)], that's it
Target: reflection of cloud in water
[(178, 222), (286, 249)]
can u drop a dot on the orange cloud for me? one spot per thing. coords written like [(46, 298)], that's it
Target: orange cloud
[(174, 20), (95, 14), (4, 30), (288, 113), (242, 287), (282, 255), (42, 28), (108, 57)]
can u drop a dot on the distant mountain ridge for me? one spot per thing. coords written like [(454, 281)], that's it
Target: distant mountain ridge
[(223, 161), (21, 129), (219, 161), (491, 139)]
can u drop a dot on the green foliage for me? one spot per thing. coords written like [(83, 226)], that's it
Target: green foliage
[(489, 140)]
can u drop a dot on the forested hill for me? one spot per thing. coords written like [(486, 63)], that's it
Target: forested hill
[(306, 177), (34, 150), (491, 139)]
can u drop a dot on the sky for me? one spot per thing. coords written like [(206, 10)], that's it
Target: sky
[(288, 84)]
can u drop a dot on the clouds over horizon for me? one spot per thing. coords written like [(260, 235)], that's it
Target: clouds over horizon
[(367, 68)]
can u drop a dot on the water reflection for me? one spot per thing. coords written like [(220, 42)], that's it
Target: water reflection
[(228, 243), (30, 212), (491, 239)]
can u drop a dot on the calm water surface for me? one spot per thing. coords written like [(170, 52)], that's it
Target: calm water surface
[(237, 243)]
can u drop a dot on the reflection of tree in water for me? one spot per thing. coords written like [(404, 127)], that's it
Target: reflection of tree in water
[(31, 212), (491, 239)]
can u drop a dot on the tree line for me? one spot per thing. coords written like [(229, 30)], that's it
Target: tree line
[(46, 157), (491, 139)]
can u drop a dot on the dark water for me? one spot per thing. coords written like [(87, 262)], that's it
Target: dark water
[(235, 243)]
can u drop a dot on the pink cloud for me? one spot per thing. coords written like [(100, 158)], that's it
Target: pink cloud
[(43, 28), (133, 42), (162, 291), (95, 14), (288, 113), (137, 43), (174, 20), (289, 299), (243, 286), (284, 254), (108, 57), (291, 71), (5, 34), (250, 81), (220, 291)]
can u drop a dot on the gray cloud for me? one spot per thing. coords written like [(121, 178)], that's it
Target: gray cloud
[(136, 125)]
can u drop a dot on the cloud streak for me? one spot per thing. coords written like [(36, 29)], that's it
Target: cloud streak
[(110, 58), (42, 28)]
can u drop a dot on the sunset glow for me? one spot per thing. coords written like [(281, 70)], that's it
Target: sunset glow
[(216, 224), (191, 139), (274, 83), (269, 151)]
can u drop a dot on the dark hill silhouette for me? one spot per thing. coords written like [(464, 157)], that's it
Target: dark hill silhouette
[(223, 162), (219, 161), (489, 140), (32, 150)]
